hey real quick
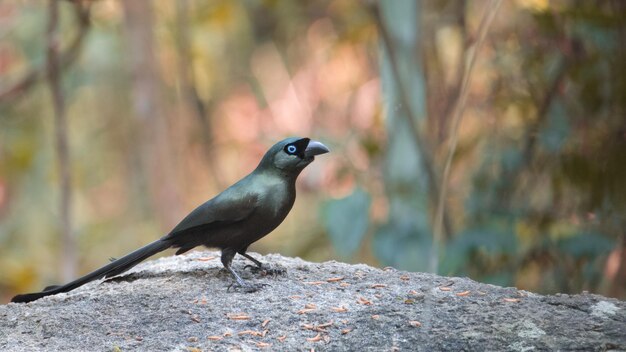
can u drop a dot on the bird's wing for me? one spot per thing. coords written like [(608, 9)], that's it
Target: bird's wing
[(230, 206)]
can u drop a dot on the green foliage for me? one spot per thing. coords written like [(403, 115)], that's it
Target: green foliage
[(557, 129), (585, 246), (486, 242), (400, 245), (346, 221)]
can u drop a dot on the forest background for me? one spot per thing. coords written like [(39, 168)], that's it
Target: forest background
[(469, 138)]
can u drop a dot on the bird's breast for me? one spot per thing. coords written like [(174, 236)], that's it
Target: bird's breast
[(276, 201)]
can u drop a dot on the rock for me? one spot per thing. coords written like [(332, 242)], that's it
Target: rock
[(182, 303)]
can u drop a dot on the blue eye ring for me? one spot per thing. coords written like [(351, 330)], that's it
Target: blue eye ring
[(291, 149)]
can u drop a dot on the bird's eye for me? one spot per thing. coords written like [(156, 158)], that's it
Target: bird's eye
[(291, 149)]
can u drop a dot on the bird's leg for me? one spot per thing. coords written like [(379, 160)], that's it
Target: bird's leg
[(256, 262), (227, 258), (260, 267)]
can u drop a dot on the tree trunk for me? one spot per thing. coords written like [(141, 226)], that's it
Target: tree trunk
[(155, 160), (68, 242)]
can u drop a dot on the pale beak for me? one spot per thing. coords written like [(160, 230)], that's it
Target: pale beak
[(315, 148)]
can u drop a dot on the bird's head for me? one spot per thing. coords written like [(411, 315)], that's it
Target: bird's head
[(292, 155)]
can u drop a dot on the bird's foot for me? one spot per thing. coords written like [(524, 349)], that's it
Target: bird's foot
[(246, 288), (265, 271)]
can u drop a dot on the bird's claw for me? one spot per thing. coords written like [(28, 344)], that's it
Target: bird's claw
[(275, 271), (265, 271), (247, 288)]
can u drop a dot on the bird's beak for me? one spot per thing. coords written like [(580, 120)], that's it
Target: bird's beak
[(315, 148)]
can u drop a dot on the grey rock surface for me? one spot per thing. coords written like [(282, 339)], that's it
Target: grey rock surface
[(182, 304)]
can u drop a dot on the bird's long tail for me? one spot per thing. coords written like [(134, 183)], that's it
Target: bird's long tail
[(114, 268)]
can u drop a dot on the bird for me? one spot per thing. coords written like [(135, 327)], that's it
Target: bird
[(231, 221)]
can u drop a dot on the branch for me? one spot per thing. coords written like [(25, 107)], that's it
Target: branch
[(542, 110), (190, 90), (490, 13), (543, 104), (455, 90), (66, 58), (411, 117), (68, 254)]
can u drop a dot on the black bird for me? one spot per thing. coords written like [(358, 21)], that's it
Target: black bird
[(231, 221)]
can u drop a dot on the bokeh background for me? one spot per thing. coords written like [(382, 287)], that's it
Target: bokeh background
[(470, 138)]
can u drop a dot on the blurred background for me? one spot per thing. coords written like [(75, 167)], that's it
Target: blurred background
[(469, 138)]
